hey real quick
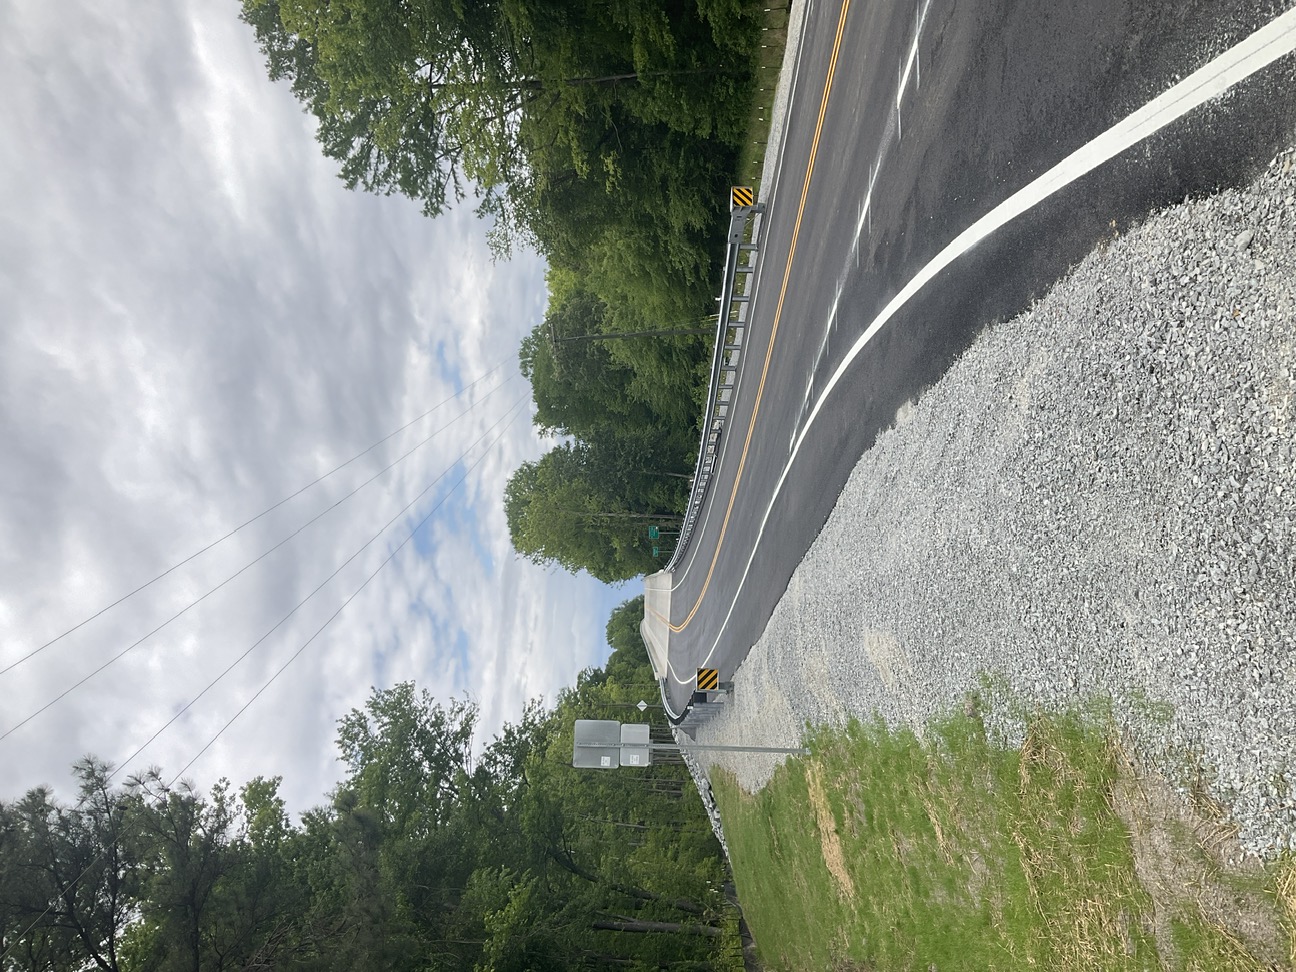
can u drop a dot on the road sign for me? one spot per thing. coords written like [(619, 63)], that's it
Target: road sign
[(708, 679), (598, 744), (654, 533), (635, 744), (741, 196), (607, 744)]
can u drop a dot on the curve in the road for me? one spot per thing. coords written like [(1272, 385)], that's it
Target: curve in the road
[(1266, 45), (769, 351)]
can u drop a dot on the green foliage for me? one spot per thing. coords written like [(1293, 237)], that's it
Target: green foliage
[(582, 506), (541, 106), (428, 857), (588, 503), (605, 135), (42, 847), (576, 384), (890, 849), (410, 98), (405, 755), (629, 663)]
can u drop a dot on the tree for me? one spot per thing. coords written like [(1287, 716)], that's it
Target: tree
[(406, 755), (577, 386), (70, 876), (410, 790), (199, 907), (419, 97), (412, 98), (425, 860), (560, 511), (629, 663)]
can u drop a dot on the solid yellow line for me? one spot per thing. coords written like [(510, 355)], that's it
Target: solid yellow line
[(778, 315)]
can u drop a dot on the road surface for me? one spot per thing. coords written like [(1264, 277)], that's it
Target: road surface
[(943, 165)]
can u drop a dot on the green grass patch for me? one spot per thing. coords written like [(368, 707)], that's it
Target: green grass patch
[(769, 60), (1203, 947), (887, 850)]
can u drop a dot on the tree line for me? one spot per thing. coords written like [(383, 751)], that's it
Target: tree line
[(604, 135), (427, 856)]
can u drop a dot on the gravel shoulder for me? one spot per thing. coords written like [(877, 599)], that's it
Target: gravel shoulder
[(1098, 500)]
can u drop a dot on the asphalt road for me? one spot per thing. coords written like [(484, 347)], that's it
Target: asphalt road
[(907, 125)]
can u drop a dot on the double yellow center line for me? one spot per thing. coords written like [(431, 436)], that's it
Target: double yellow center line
[(778, 316)]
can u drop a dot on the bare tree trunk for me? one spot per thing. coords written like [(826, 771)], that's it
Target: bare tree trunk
[(669, 927), (679, 904)]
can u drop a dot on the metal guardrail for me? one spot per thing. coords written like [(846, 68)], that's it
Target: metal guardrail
[(697, 714), (731, 334), (746, 226)]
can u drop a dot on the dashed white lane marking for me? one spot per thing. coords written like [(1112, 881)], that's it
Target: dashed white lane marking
[(865, 219), (894, 129), (913, 53), (1266, 45), (682, 571)]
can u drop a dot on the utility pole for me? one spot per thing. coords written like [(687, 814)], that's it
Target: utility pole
[(618, 335), (606, 744)]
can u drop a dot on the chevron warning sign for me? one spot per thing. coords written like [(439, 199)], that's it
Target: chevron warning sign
[(708, 679), (741, 196)]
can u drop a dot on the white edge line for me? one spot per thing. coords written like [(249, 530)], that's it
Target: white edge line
[(1266, 45), (777, 174), (774, 181), (1259, 50)]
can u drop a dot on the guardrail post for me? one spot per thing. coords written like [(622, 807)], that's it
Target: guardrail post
[(730, 325)]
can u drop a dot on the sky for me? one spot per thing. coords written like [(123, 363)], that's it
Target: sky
[(198, 319)]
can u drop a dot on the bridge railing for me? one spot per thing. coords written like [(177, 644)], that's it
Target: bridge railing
[(746, 224)]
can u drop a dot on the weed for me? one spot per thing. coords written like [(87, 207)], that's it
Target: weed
[(894, 849)]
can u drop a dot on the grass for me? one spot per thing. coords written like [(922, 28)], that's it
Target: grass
[(769, 60), (886, 850)]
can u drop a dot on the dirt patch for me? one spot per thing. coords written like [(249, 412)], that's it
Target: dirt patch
[(979, 878), (830, 843), (1188, 859), (887, 657)]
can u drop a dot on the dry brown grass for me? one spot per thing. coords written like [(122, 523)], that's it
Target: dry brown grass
[(834, 858), (1187, 857), (1286, 893)]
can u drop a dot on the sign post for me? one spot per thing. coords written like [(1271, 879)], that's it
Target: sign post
[(607, 744)]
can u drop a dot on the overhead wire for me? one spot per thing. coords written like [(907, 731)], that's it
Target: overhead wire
[(381, 530), (246, 523), (198, 600), (511, 416)]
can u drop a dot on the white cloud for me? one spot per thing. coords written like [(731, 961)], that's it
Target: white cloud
[(199, 319)]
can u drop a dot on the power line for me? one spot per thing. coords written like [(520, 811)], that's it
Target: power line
[(381, 530), (389, 558), (194, 603), (265, 685), (198, 553)]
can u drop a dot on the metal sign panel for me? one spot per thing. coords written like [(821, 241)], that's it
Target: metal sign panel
[(597, 744), (635, 745), (741, 196), (708, 679)]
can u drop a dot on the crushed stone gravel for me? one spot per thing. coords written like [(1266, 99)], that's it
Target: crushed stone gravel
[(1097, 500)]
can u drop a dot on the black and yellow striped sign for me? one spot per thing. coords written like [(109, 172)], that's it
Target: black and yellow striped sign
[(708, 679), (742, 196)]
